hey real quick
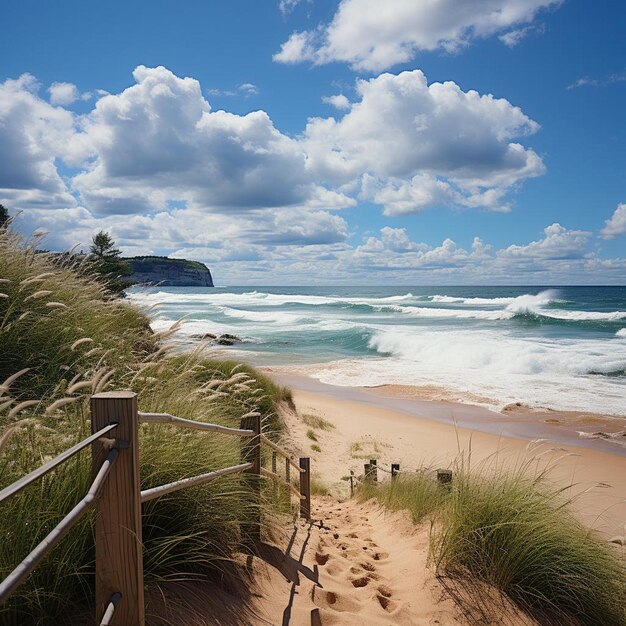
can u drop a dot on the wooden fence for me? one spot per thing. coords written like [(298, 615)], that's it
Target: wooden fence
[(117, 497)]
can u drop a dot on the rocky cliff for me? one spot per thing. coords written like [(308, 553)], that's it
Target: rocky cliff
[(169, 272)]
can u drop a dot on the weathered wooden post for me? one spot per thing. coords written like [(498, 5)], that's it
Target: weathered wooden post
[(119, 562), (367, 472), (287, 470), (351, 483), (395, 470), (251, 453), (374, 469), (444, 477), (305, 487)]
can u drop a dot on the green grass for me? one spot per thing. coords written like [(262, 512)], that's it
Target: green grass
[(316, 448), (512, 530), (317, 422), (187, 535), (311, 434)]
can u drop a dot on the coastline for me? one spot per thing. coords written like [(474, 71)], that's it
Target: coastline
[(381, 423), (514, 421)]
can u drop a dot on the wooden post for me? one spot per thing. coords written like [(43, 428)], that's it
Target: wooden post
[(251, 453), (444, 477), (395, 469), (119, 562), (351, 483), (374, 469), (367, 473), (305, 487), (287, 470)]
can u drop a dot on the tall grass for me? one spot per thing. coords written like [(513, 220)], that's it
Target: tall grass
[(511, 529), (84, 343)]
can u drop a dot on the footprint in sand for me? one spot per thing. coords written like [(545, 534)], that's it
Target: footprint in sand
[(335, 601), (321, 558), (362, 581), (383, 596)]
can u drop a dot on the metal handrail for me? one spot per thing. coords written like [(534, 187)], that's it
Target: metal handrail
[(277, 478), (23, 482), (22, 571), (273, 446), (166, 418), (155, 492)]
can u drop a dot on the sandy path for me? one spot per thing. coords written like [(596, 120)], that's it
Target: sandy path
[(356, 564)]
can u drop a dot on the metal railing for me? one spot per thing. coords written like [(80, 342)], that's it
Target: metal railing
[(117, 497)]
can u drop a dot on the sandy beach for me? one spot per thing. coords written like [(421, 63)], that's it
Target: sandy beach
[(393, 428)]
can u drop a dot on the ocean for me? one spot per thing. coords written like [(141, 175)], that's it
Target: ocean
[(561, 348)]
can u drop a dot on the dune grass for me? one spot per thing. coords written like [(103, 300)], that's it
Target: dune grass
[(510, 529), (87, 342), (316, 422)]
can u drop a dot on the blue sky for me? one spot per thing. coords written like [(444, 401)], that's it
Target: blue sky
[(473, 142)]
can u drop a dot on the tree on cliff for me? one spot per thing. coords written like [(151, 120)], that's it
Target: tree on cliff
[(107, 262), (4, 216)]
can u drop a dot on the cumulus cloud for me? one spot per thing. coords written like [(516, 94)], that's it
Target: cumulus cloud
[(159, 140), (415, 145), (339, 101), (403, 144), (561, 255), (372, 35), (162, 171), (63, 93), (616, 224), (33, 134), (559, 243)]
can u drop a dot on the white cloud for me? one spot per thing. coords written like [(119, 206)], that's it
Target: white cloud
[(33, 134), (587, 81), (287, 6), (559, 243), (234, 190), (373, 35), (403, 144), (414, 145), (249, 89), (515, 37), (63, 93), (616, 224), (159, 141), (339, 101), (245, 89), (299, 47)]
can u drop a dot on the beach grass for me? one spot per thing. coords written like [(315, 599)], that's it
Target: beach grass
[(311, 434), (511, 529), (316, 422), (62, 338)]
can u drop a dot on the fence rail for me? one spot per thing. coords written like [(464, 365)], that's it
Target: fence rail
[(115, 493)]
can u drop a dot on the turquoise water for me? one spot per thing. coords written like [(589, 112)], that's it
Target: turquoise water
[(560, 347)]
